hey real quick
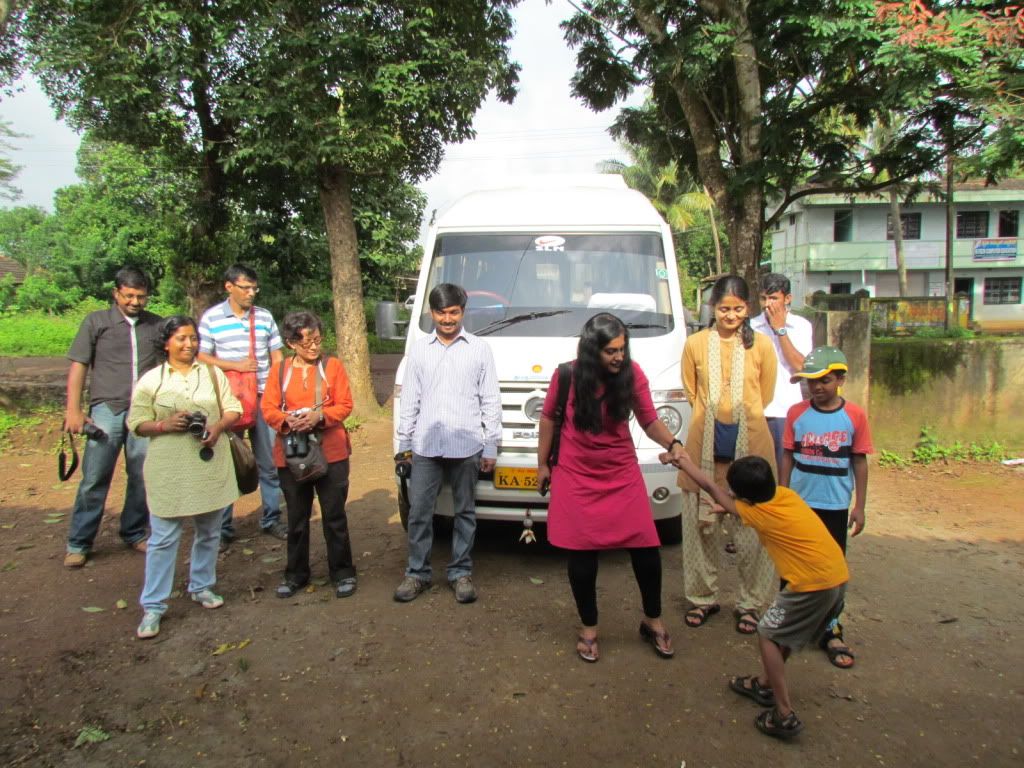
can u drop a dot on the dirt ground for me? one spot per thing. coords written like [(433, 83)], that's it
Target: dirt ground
[(366, 681)]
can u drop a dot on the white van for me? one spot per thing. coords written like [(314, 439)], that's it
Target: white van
[(538, 260)]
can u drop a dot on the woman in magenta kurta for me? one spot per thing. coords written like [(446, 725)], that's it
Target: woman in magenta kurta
[(598, 496)]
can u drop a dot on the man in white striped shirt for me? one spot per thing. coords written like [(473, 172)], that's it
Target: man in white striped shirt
[(449, 429), (224, 340)]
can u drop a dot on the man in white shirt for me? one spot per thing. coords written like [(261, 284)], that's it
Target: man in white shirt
[(793, 339), (449, 429)]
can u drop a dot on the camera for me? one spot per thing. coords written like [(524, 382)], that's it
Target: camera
[(296, 445), (195, 425), (93, 432)]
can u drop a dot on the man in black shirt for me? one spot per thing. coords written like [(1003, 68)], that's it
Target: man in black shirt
[(116, 346)]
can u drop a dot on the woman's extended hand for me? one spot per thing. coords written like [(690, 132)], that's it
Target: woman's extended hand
[(543, 477), (213, 433), (303, 422), (176, 422)]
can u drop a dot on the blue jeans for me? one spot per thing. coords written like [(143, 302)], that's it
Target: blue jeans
[(262, 438), (162, 555), (97, 470), (424, 485)]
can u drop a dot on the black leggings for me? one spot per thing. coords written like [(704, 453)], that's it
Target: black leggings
[(583, 580)]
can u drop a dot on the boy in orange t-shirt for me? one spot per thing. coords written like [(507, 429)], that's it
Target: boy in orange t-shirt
[(807, 559)]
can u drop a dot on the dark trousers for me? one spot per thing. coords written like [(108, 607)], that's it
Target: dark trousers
[(583, 581), (332, 491), (836, 520)]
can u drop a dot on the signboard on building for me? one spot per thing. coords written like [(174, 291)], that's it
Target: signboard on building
[(1002, 249)]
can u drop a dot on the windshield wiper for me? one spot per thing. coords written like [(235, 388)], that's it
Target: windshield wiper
[(497, 325), (632, 326)]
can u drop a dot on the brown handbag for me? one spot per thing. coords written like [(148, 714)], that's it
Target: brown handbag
[(247, 473)]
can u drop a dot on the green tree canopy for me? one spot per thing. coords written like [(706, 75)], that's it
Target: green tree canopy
[(747, 95)]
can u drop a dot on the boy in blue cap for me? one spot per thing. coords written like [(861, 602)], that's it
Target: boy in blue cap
[(826, 441)]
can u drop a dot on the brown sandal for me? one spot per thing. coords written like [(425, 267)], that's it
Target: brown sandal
[(660, 641)]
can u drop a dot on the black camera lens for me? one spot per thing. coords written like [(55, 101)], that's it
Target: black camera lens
[(206, 453), (403, 469), (93, 432)]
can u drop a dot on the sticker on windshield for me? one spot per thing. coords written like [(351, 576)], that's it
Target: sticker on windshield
[(549, 243), (661, 273)]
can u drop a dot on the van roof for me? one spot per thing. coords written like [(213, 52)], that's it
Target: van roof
[(543, 202)]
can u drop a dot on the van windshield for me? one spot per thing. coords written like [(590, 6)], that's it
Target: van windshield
[(550, 284)]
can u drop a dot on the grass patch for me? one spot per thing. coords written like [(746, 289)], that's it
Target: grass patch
[(37, 334), (930, 450), (9, 421)]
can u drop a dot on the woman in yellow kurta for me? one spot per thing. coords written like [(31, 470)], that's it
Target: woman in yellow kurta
[(185, 409), (729, 377)]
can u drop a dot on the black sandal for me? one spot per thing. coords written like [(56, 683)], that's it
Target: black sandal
[(746, 621), (750, 686), (288, 589), (699, 614), (772, 723), (834, 652)]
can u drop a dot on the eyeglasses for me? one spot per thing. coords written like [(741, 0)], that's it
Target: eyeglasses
[(308, 344), (141, 298), (254, 289)]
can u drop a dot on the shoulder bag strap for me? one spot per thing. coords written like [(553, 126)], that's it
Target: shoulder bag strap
[(216, 389), (564, 382), (252, 332)]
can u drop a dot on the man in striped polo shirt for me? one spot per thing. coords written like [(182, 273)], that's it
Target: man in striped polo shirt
[(449, 429), (224, 342)]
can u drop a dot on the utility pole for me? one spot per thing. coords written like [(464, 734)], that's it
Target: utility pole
[(950, 236)]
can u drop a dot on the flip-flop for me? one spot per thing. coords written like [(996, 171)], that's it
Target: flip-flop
[(700, 614), (592, 653), (647, 633), (751, 687)]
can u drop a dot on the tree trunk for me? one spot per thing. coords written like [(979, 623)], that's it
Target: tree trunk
[(950, 236), (346, 285), (896, 214), (746, 236)]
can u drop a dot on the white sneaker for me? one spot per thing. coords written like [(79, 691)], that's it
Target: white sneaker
[(149, 627), (208, 598)]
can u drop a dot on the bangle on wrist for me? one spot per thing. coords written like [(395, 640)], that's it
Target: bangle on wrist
[(160, 427), (675, 441)]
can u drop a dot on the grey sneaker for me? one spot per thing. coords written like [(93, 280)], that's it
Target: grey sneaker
[(149, 627), (207, 598), (278, 530), (465, 592), (410, 589)]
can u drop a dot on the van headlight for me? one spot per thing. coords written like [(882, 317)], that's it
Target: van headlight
[(671, 418)]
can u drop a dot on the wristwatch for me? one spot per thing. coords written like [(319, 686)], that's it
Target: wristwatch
[(780, 331)]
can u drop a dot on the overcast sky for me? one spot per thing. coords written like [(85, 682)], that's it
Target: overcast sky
[(545, 130)]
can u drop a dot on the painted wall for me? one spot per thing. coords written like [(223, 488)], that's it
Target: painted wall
[(968, 390)]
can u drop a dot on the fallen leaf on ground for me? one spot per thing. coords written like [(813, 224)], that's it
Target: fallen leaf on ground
[(91, 735), (271, 558), (122, 604), (248, 552), (535, 580), (225, 647), (92, 609)]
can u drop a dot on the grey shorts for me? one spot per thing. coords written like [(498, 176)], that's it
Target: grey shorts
[(798, 618)]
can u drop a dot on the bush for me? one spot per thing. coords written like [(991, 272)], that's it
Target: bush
[(41, 293)]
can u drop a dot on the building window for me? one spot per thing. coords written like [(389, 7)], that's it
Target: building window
[(842, 225), (911, 226), (792, 219), (1008, 224), (971, 224), (839, 288), (1002, 290)]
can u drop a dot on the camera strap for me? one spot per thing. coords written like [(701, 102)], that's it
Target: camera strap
[(285, 379), (63, 471)]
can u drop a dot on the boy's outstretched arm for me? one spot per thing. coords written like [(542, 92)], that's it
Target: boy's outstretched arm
[(860, 485), (786, 470), (685, 463)]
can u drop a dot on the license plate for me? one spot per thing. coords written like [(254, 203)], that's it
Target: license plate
[(515, 478)]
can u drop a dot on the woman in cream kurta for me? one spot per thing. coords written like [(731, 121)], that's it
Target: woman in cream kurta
[(728, 382), (186, 476)]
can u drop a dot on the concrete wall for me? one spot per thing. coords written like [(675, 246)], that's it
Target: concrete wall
[(967, 390)]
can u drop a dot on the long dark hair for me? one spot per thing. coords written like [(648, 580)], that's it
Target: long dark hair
[(598, 332), (733, 285), (168, 328)]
